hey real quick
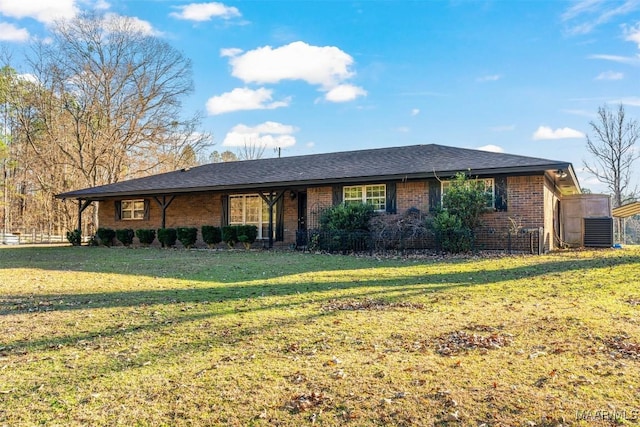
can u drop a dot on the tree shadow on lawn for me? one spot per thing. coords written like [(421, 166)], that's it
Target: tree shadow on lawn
[(333, 280)]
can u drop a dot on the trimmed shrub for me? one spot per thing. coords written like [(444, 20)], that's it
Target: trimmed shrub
[(247, 234), (74, 237), (106, 235), (454, 237), (211, 235), (125, 236), (347, 217), (229, 235), (167, 237), (187, 236), (146, 235)]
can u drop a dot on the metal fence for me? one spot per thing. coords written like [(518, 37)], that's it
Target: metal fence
[(318, 240)]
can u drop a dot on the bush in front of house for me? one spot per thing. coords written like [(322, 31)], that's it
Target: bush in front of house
[(125, 236), (187, 236), (211, 235), (230, 235), (146, 235), (167, 237), (247, 234), (460, 215), (74, 237), (106, 235), (347, 217)]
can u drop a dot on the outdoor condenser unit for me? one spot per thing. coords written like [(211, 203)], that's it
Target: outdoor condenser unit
[(598, 232)]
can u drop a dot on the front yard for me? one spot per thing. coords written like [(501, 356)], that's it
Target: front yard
[(98, 336)]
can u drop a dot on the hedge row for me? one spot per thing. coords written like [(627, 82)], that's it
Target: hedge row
[(167, 237)]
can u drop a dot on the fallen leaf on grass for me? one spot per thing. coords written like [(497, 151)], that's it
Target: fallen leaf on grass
[(460, 341), (367, 304), (304, 402)]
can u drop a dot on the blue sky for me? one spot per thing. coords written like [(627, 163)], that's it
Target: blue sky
[(522, 77)]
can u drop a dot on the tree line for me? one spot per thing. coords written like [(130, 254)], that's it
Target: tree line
[(99, 102)]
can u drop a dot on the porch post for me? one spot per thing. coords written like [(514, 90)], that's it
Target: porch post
[(80, 217), (271, 201)]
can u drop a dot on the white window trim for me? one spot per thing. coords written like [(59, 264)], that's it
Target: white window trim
[(491, 205), (133, 209), (364, 194), (261, 221)]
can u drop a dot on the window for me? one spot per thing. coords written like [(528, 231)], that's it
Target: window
[(374, 195), (132, 209), (488, 186), (249, 210)]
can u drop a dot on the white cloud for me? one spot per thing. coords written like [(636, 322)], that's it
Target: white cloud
[(201, 12), (45, 11), (593, 13), (113, 21), (344, 93), (545, 132), (244, 99), (310, 144), (489, 78), (610, 75), (502, 128), (267, 135), (631, 60), (28, 77), (403, 129), (633, 101), (232, 51), (415, 112), (11, 33), (492, 148), (632, 34), (325, 66), (101, 5)]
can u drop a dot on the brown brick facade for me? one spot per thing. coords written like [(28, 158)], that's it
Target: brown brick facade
[(192, 210), (530, 204)]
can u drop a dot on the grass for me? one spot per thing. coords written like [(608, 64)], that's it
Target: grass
[(97, 336)]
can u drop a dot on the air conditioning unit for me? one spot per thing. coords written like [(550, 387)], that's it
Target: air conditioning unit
[(597, 232)]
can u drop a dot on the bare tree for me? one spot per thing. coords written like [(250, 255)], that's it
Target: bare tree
[(612, 146), (225, 156), (109, 100), (251, 150)]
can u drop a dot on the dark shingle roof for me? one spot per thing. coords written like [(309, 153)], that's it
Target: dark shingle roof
[(417, 161)]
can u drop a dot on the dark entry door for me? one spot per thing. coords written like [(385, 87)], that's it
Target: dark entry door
[(301, 235)]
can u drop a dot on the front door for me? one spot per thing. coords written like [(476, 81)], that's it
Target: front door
[(301, 234)]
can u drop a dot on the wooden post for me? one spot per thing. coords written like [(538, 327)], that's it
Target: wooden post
[(271, 201), (164, 204)]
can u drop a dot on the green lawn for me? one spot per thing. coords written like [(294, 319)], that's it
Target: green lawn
[(98, 336)]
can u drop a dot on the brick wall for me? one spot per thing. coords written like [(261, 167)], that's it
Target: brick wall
[(412, 194), (529, 198), (192, 210)]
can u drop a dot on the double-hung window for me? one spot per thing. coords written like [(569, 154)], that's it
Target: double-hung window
[(486, 183), (375, 195), (132, 209), (249, 209)]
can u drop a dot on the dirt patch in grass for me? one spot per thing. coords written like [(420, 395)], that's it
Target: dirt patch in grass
[(368, 304), (620, 347), (457, 342)]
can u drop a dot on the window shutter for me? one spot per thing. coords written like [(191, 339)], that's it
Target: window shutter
[(337, 194), (147, 208), (280, 220), (391, 204), (118, 209), (501, 193), (435, 192), (224, 215)]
